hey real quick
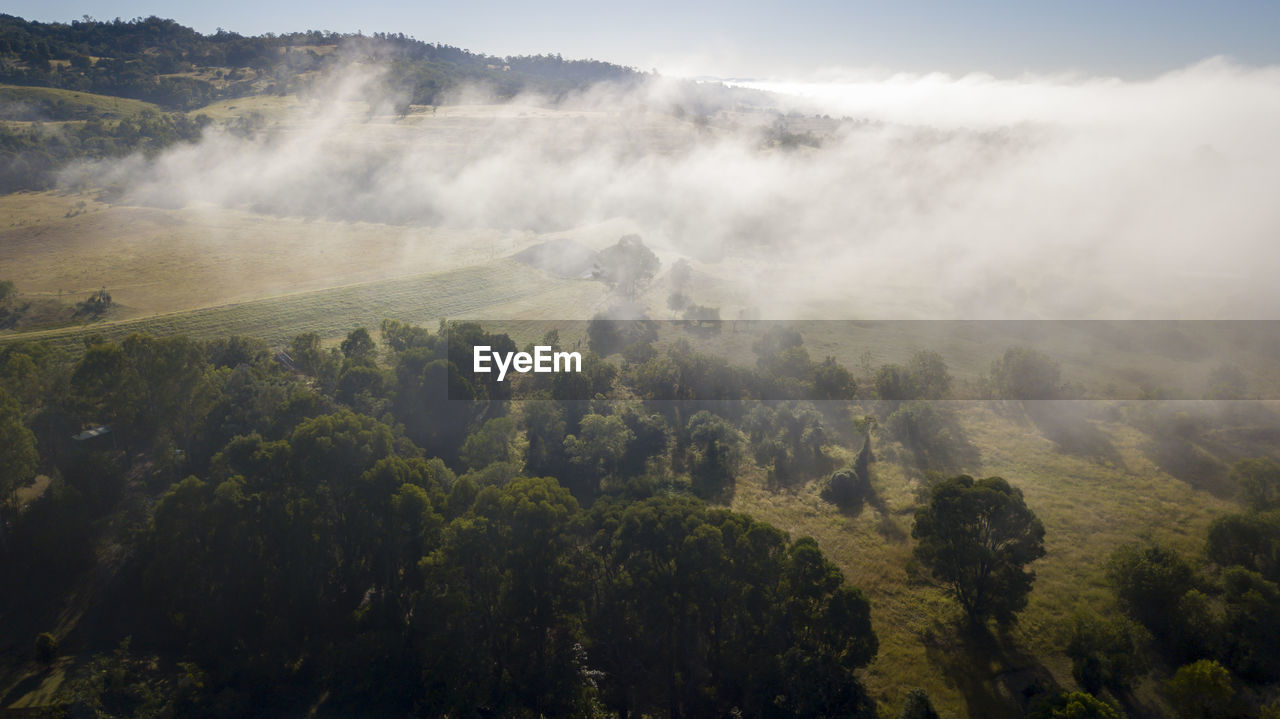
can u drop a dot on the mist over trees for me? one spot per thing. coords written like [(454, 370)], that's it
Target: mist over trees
[(328, 520), (352, 522)]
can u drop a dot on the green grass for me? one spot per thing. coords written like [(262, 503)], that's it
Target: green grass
[(1088, 508), (73, 104)]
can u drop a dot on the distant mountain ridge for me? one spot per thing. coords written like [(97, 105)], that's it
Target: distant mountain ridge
[(161, 61)]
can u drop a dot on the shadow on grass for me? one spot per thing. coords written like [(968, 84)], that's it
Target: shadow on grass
[(1068, 425), (934, 438), (995, 676), (856, 497)]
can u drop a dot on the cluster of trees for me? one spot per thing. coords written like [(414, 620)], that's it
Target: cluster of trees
[(31, 156), (331, 521), (1215, 620), (328, 522)]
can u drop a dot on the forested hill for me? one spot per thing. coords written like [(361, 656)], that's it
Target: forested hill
[(178, 68)]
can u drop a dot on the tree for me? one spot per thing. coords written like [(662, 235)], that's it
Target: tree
[(716, 451), (46, 648), (1026, 373), (831, 380), (1202, 690), (1250, 634), (977, 536), (925, 377), (18, 457), (1105, 653), (495, 441), (681, 275), (1072, 705), (1250, 540), (918, 706), (358, 345), (500, 604), (702, 611), (598, 448), (626, 266), (892, 383), (1259, 482), (930, 378), (849, 487), (544, 424), (1149, 581), (95, 305)]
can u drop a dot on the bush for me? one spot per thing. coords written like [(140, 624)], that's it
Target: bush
[(850, 487), (1149, 581), (918, 706), (46, 648), (846, 489), (1072, 705), (1202, 690), (98, 303), (1105, 653)]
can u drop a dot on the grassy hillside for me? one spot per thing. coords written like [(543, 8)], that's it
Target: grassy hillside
[(500, 290), (1088, 508), (48, 103)]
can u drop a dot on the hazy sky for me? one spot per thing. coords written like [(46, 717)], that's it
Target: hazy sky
[(1129, 38)]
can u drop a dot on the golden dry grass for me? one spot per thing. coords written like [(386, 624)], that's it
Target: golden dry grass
[(155, 261)]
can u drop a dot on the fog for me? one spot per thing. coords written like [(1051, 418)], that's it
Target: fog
[(841, 196)]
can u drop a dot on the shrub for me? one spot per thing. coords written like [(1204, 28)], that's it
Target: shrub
[(46, 648)]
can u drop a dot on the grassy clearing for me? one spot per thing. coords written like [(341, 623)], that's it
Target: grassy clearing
[(1088, 508), (270, 107)]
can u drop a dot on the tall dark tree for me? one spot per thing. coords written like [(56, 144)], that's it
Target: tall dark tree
[(18, 456), (977, 537)]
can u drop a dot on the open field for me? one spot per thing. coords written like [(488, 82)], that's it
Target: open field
[(500, 290), (155, 260)]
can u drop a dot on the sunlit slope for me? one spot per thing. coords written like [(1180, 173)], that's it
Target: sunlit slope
[(156, 260), (57, 104), (502, 289), (1088, 508)]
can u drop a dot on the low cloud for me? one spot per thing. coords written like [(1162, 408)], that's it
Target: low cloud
[(851, 196)]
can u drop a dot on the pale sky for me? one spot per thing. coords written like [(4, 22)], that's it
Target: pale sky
[(1127, 38)]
